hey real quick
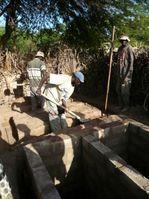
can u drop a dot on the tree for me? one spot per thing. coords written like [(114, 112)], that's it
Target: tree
[(91, 30), (8, 9), (137, 25), (45, 37), (1, 31), (87, 22), (36, 14)]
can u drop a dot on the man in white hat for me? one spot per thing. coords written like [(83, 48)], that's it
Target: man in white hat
[(58, 90), (125, 69), (36, 69)]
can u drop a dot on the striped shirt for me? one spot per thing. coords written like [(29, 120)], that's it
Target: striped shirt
[(34, 70)]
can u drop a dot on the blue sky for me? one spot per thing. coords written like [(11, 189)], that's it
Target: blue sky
[(2, 22)]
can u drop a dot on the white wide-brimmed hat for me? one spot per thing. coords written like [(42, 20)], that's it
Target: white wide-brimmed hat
[(124, 37), (40, 54)]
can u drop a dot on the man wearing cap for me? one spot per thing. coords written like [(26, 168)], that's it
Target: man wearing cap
[(58, 89), (36, 69), (125, 69)]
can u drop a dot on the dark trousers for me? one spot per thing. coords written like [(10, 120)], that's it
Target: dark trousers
[(36, 101), (123, 92)]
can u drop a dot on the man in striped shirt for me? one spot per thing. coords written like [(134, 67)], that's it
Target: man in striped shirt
[(36, 69)]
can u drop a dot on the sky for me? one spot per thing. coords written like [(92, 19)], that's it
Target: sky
[(2, 22)]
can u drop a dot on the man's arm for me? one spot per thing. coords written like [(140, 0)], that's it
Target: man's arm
[(64, 103), (26, 73), (43, 80), (43, 72), (130, 61), (131, 57), (26, 76), (62, 110), (43, 68)]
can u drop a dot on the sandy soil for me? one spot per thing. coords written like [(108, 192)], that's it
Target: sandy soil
[(18, 123)]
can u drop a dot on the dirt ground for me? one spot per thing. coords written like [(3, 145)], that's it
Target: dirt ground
[(19, 124), (134, 112)]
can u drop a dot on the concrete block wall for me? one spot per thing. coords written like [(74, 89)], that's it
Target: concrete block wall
[(138, 147), (42, 184), (81, 166), (62, 157), (115, 137), (59, 152), (108, 176)]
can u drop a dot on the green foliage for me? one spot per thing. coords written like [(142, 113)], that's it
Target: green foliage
[(46, 37), (85, 24), (22, 42), (26, 42), (2, 30), (129, 18), (81, 34), (136, 26)]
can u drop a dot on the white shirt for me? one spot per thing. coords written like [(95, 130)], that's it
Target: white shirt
[(59, 87)]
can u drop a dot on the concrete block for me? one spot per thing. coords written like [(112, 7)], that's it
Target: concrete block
[(144, 133), (44, 185), (134, 181)]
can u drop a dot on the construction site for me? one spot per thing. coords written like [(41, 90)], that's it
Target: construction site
[(74, 99), (103, 157)]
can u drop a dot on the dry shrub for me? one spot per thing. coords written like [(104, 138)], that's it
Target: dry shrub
[(62, 59)]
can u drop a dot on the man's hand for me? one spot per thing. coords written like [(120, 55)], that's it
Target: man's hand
[(43, 80), (61, 110), (64, 104)]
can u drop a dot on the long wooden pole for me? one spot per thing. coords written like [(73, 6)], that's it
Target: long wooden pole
[(110, 66)]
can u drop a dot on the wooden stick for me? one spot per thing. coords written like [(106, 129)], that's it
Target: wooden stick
[(110, 66), (70, 112)]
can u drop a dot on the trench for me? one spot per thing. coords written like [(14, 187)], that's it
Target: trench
[(132, 144)]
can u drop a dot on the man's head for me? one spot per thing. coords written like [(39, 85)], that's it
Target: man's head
[(77, 78), (124, 40), (40, 55)]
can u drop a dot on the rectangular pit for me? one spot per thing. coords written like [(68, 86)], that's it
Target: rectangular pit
[(99, 164), (131, 142)]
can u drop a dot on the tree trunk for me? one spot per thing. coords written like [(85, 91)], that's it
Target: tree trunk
[(10, 23)]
